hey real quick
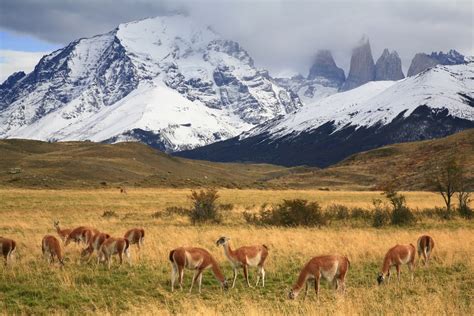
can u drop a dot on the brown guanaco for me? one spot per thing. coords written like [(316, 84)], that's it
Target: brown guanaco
[(397, 256), (425, 247), (332, 268), (245, 257), (7, 248), (196, 259), (51, 248)]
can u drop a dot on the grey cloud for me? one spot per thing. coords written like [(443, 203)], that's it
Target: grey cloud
[(280, 35)]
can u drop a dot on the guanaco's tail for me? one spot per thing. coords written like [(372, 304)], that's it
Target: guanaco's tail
[(171, 256)]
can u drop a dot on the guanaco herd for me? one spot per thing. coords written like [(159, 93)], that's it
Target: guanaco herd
[(332, 268)]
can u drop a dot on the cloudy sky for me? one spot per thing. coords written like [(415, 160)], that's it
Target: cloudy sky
[(281, 35)]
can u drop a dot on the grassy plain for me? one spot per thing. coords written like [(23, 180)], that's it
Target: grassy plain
[(30, 286)]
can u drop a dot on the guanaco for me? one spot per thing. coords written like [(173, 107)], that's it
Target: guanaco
[(94, 245), (332, 268), (51, 248), (249, 256), (114, 246), (397, 256), (81, 234), (425, 246), (196, 259), (135, 236), (63, 233), (7, 248)]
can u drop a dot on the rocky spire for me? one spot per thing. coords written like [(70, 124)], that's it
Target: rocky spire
[(389, 66), (421, 62), (325, 66), (362, 66)]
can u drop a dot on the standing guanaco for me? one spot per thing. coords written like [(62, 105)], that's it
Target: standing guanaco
[(135, 236), (7, 247), (332, 268), (249, 256), (425, 246), (94, 245), (196, 259), (63, 233), (114, 246), (51, 248), (396, 256)]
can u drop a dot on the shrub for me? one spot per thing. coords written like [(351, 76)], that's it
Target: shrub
[(289, 213), (381, 215), (465, 211), (359, 212), (204, 207), (464, 198), (338, 211), (401, 214)]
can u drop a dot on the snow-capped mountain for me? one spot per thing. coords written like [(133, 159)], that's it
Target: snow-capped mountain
[(434, 103), (167, 81)]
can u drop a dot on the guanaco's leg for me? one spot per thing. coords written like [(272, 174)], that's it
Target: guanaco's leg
[(235, 277), (246, 275)]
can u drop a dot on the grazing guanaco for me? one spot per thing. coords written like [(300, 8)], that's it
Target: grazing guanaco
[(196, 259), (81, 234), (94, 245), (114, 246), (7, 247), (135, 236), (332, 268), (425, 246), (396, 256), (51, 248), (63, 233), (123, 190), (245, 257)]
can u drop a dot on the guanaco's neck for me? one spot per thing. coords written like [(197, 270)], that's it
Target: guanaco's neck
[(301, 280), (217, 271), (387, 262), (57, 228), (228, 251)]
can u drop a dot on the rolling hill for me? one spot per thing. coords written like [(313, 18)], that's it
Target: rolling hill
[(27, 163)]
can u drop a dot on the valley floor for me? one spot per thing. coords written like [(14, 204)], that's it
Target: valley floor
[(31, 286)]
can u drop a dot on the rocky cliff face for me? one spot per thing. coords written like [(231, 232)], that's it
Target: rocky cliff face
[(419, 63), (324, 66), (389, 66), (423, 61), (362, 68)]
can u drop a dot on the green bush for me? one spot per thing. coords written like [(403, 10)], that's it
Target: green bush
[(205, 208), (290, 213), (465, 211), (381, 215), (338, 211), (401, 215)]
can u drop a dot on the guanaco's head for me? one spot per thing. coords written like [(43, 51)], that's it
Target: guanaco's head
[(56, 224), (222, 241), (225, 285), (292, 294), (380, 278)]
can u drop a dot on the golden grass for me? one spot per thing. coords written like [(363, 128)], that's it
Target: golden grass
[(157, 199), (30, 286)]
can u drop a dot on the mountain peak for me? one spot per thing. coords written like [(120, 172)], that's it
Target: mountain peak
[(389, 66), (167, 81), (362, 69), (325, 66)]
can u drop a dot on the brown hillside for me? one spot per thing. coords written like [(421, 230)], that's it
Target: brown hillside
[(27, 163)]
